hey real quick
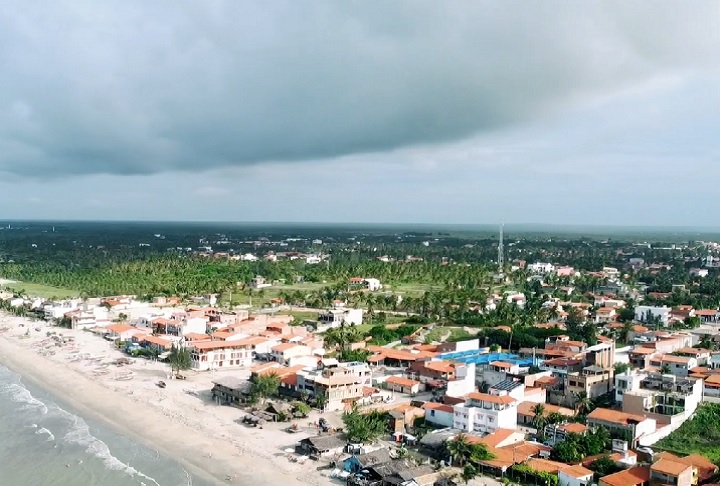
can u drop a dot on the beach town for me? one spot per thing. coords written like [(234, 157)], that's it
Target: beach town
[(452, 412)]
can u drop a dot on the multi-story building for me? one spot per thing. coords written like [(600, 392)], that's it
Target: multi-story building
[(337, 317), (212, 355), (678, 365), (485, 413), (622, 425), (341, 385), (592, 380), (667, 399)]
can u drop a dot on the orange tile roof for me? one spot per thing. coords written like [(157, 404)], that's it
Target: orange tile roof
[(264, 367), (194, 336), (441, 366), (502, 400), (574, 428), (120, 328), (497, 437), (669, 467), (279, 348), (437, 406), (156, 340), (630, 477), (576, 472), (399, 380), (706, 468), (642, 350), (209, 345), (501, 364), (614, 416)]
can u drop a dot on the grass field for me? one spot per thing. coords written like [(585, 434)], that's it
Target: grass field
[(455, 333), (262, 297), (45, 291), (413, 289), (700, 434)]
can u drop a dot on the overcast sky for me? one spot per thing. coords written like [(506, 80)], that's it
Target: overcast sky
[(602, 112)]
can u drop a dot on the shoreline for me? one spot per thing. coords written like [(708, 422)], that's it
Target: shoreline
[(214, 449)]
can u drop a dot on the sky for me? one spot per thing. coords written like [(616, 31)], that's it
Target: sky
[(561, 112)]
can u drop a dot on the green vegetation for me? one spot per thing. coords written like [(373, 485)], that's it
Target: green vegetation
[(440, 334), (179, 359), (603, 466), (264, 386), (39, 290), (700, 434), (462, 452), (531, 476), (576, 447), (365, 427), (382, 335)]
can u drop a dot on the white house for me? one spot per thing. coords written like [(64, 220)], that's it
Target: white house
[(438, 414), (336, 317), (214, 355), (575, 476), (485, 413), (541, 267)]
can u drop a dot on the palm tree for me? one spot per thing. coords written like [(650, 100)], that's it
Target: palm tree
[(555, 418), (539, 421), (458, 449), (583, 403), (179, 359)]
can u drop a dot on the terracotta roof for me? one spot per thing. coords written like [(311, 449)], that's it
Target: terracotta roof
[(669, 358), (693, 351), (399, 380), (120, 328), (156, 340), (574, 428), (501, 364), (547, 380), (706, 312), (706, 469), (630, 477), (614, 416), (576, 472), (194, 336), (502, 400), (437, 406), (643, 350), (441, 366), (497, 437), (208, 345), (283, 347), (669, 467)]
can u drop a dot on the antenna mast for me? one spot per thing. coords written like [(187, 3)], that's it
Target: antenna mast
[(501, 254)]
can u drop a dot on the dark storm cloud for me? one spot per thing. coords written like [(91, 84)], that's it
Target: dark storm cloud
[(147, 87)]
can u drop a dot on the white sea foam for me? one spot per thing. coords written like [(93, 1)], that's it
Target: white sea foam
[(19, 394), (80, 434), (43, 430)]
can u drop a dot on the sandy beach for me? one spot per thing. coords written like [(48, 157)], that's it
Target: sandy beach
[(179, 421)]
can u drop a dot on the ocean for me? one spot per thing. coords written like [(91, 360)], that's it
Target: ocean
[(44, 442)]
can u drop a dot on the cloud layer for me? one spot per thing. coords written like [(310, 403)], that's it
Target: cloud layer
[(134, 87)]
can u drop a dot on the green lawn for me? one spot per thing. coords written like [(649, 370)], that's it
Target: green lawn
[(45, 291)]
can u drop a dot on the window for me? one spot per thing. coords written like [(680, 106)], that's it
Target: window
[(432, 413)]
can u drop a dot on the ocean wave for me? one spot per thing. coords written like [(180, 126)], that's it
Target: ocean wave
[(79, 434), (19, 394), (43, 430)]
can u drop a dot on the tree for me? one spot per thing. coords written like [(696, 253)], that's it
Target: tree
[(179, 359), (539, 421), (265, 385), (321, 399), (603, 466), (556, 418), (567, 451), (301, 408), (665, 369), (458, 449), (469, 472), (364, 427), (583, 404), (621, 368)]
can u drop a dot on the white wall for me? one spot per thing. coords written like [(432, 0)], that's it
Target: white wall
[(439, 417), (565, 480)]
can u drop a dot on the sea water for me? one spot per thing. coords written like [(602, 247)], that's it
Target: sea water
[(45, 443)]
